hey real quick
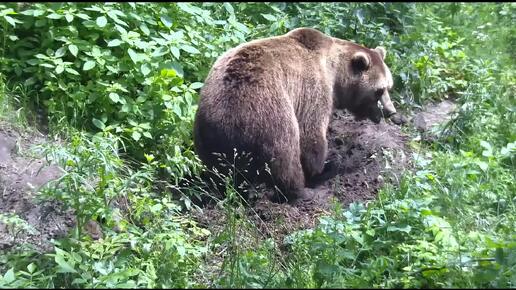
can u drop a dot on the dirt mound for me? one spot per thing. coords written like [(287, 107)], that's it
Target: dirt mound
[(21, 175), (362, 155)]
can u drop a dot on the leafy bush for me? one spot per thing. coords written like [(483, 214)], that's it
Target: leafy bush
[(128, 69)]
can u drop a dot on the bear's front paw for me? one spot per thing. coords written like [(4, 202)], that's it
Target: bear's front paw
[(398, 119)]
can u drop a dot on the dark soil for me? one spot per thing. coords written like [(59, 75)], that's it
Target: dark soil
[(362, 153)]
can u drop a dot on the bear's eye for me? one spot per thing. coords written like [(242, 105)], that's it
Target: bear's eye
[(378, 93)]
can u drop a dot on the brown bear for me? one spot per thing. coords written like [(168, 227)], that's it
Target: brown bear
[(270, 100)]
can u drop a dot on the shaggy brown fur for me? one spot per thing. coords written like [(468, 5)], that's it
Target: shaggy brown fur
[(272, 98)]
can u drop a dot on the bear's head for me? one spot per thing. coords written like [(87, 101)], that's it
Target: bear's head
[(363, 82)]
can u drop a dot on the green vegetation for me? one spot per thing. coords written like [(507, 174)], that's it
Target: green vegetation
[(119, 82)]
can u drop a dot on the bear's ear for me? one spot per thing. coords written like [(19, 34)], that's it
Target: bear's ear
[(381, 51), (360, 61)]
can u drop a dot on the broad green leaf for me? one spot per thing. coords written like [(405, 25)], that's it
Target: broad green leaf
[(60, 68), (269, 17), (144, 29), (11, 20), (99, 124), (489, 150), (482, 165), (175, 51), (162, 50), (176, 35), (73, 49), (54, 16), (229, 8), (95, 52), (78, 281), (135, 57), (145, 69), (178, 68), (69, 17), (47, 65), (72, 71), (114, 97), (168, 73), (189, 49), (64, 266), (136, 135), (114, 42), (196, 85), (9, 276), (60, 52), (83, 16), (188, 8), (31, 268), (166, 21), (101, 21), (88, 65), (176, 109)]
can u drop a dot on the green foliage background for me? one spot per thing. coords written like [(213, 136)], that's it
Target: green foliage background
[(120, 82)]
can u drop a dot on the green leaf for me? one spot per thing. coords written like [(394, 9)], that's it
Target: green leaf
[(144, 29), (135, 57), (189, 49), (73, 49), (101, 21), (69, 17), (489, 150), (114, 42), (156, 208), (11, 20), (482, 165), (181, 250), (54, 16), (166, 21), (147, 134), (47, 65), (196, 85), (175, 51), (64, 266), (9, 276), (168, 73), (176, 109), (405, 229), (72, 71), (145, 69), (114, 97), (60, 52), (31, 268), (83, 16), (99, 124), (136, 135), (60, 68), (269, 17), (229, 8), (88, 65)]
